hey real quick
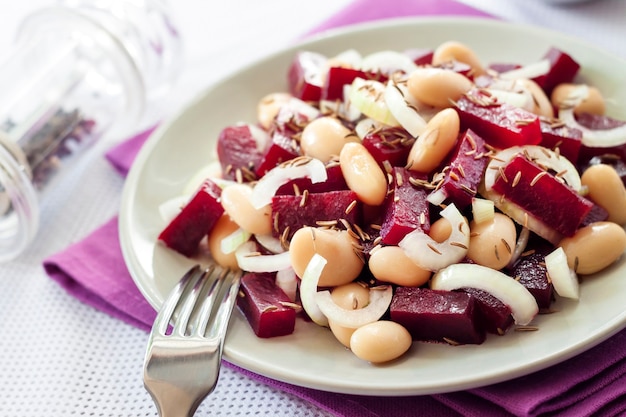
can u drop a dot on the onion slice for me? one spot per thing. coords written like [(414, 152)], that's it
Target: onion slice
[(308, 289), (564, 279), (230, 243), (532, 70), (380, 299), (506, 289), (404, 108), (433, 256), (388, 62), (267, 186), (367, 97), (250, 260), (287, 280)]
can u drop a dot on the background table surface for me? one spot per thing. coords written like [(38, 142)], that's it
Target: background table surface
[(59, 357)]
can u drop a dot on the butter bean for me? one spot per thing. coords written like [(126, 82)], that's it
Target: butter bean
[(437, 140), (350, 296), (391, 264), (363, 174), (594, 247), (380, 341), (492, 242), (440, 230), (269, 106), (236, 202), (457, 51), (437, 87), (324, 137), (607, 190), (224, 227), (594, 103), (336, 246)]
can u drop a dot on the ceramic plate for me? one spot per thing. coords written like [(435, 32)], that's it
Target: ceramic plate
[(311, 357)]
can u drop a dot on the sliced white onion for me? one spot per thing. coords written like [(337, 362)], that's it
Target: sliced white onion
[(520, 246), (267, 186), (522, 99), (170, 208), (287, 280), (366, 126), (230, 243), (350, 57), (249, 260), (594, 138), (367, 97), (433, 256), (436, 197), (483, 210), (270, 243), (388, 62), (296, 106), (308, 289), (260, 136), (380, 299), (506, 289), (532, 70), (564, 279), (404, 108)]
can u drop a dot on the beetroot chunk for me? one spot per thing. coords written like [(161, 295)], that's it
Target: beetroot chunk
[(406, 208), (305, 75), (567, 139), (542, 195), (334, 182), (437, 316), (531, 272), (292, 212), (391, 144), (195, 220), (495, 316), (563, 69), (282, 148), (501, 125), (238, 152), (464, 170), (267, 308)]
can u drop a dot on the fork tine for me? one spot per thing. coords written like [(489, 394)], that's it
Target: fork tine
[(229, 296), (166, 313)]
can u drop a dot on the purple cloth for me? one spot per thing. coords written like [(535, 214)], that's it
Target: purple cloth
[(593, 382)]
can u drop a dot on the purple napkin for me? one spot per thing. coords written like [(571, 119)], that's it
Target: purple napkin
[(592, 383)]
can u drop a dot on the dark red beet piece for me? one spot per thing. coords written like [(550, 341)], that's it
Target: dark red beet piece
[(265, 305), (495, 316), (563, 69), (295, 211), (237, 151), (531, 272), (338, 77), (542, 195), (390, 144), (437, 316), (305, 75), (195, 220), (334, 182), (282, 148), (465, 168), (501, 125), (406, 208), (596, 214), (567, 139)]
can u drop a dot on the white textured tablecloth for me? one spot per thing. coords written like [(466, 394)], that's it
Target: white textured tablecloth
[(59, 357)]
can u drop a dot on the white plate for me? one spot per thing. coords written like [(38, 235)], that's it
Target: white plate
[(311, 357)]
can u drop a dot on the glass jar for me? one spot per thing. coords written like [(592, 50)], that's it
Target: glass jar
[(79, 69)]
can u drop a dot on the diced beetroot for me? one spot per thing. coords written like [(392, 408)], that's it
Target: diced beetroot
[(421, 56), (597, 214), (495, 316), (464, 170), (292, 212), (305, 75), (282, 148), (565, 138), (195, 220), (266, 307), (531, 272), (406, 208), (338, 77), (437, 316), (237, 151), (334, 182), (563, 69), (501, 125), (598, 122), (390, 144), (542, 195)]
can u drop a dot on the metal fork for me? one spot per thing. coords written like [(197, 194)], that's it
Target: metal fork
[(183, 359)]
